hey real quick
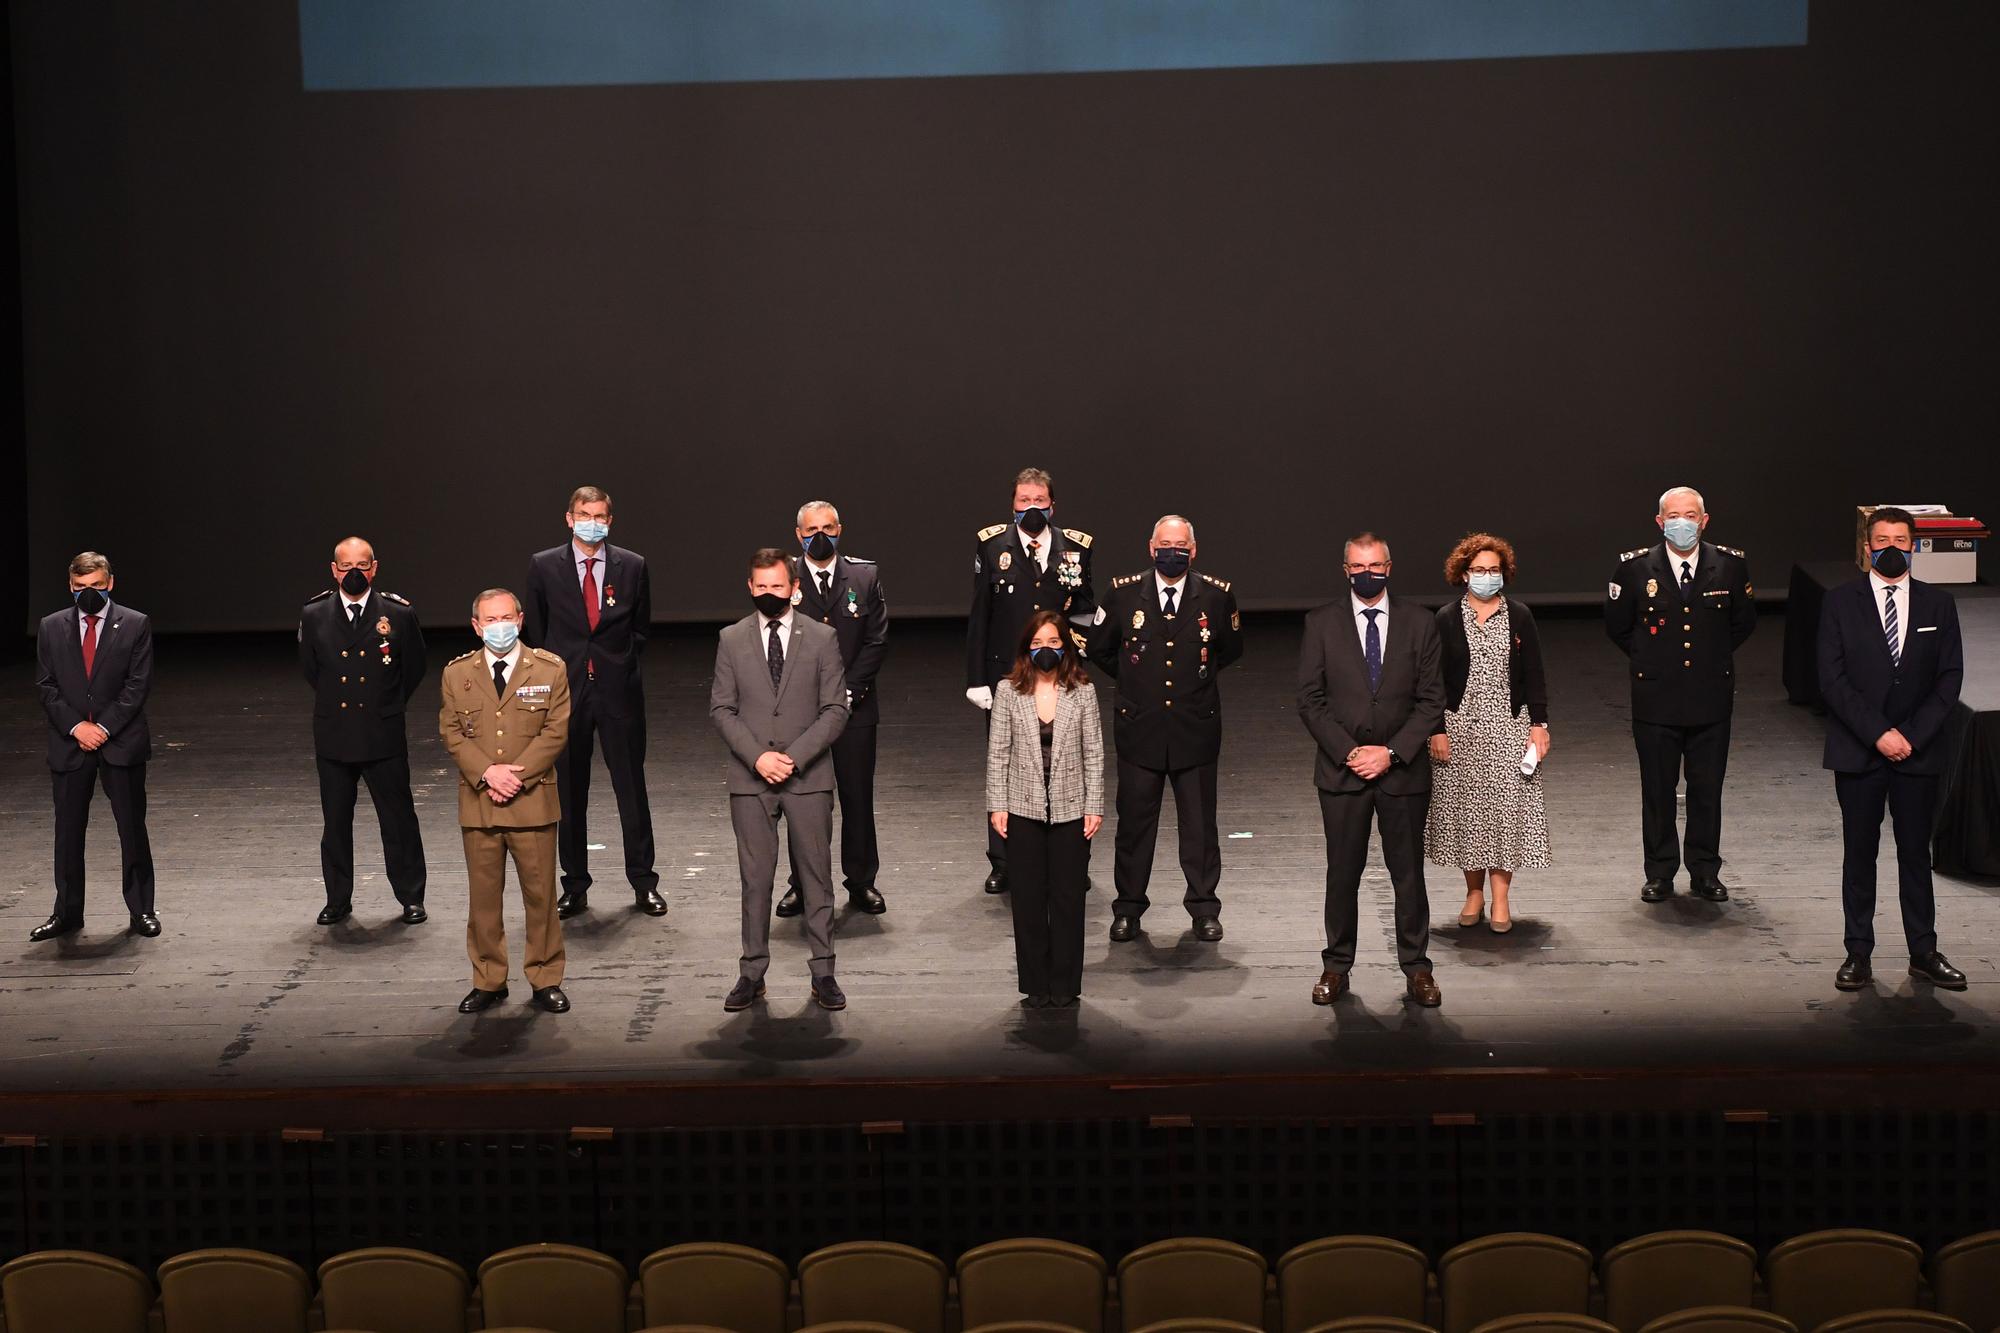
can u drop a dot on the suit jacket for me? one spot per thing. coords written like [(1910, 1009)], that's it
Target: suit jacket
[(859, 615), (114, 694), (553, 617), (1341, 713), (800, 718), (363, 674), (1076, 756), (1683, 649), (528, 725), (1007, 589), (1867, 693), (1169, 706)]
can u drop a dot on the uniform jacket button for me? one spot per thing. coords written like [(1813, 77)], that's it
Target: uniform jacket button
[(343, 703)]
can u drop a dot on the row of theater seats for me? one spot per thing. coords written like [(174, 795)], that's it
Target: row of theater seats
[(1847, 1281)]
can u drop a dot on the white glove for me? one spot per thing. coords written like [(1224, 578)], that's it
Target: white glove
[(981, 695)]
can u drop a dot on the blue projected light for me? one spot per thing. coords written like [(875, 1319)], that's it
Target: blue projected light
[(381, 44)]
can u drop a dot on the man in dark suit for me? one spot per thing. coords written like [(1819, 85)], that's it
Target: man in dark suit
[(1165, 637), (1890, 665), (780, 701), (845, 591), (1680, 610), (363, 654), (96, 661), (590, 603), (1371, 691), (1019, 568)]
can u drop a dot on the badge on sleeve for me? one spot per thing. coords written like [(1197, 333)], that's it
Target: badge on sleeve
[(1614, 592)]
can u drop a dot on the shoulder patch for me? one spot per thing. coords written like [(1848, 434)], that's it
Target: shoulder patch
[(397, 598), (988, 534), (1126, 580), (856, 560), (319, 596), (1210, 578), (463, 657), (546, 655), (1731, 550), (1078, 536), (1633, 554)]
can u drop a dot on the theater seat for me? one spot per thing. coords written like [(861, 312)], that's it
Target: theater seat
[(385, 1289), (1343, 1277), (1192, 1278), (1031, 1280), (1550, 1321), (874, 1281), (1512, 1273), (74, 1291), (1656, 1274), (1823, 1275), (731, 1286), (563, 1287), (1721, 1319), (1197, 1324), (233, 1291), (1965, 1280), (1895, 1321), (1371, 1323)]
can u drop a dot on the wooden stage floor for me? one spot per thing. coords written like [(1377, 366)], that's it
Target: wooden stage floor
[(245, 1009)]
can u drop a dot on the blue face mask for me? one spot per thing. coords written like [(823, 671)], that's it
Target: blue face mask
[(1046, 659), (821, 546), (1486, 585), (591, 531), (500, 636), (1682, 533), (1033, 520)]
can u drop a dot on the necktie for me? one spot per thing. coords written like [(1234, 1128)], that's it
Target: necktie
[(499, 678), (1170, 602), (89, 644), (591, 610), (1687, 577), (1035, 553), (1889, 629), (775, 655), (825, 584), (353, 614), (1373, 648)]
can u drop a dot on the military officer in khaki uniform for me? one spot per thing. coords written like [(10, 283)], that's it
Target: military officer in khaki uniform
[(505, 720)]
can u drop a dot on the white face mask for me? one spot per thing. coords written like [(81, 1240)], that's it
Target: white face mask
[(1682, 533), (591, 531), (1484, 584), (500, 636)]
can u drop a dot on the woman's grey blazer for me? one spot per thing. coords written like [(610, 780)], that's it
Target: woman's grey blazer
[(1076, 760)]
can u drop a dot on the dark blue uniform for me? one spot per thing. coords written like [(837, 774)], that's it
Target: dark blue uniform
[(850, 599)]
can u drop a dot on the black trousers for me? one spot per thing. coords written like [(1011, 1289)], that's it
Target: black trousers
[(395, 810), (1140, 791), (1911, 800), (854, 780), (125, 785), (1346, 816), (1664, 752), (624, 741), (1047, 876)]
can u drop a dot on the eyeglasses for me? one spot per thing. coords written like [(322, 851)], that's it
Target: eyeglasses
[(1374, 567), (344, 565)]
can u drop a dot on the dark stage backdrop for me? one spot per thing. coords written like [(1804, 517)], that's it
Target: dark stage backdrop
[(1518, 293)]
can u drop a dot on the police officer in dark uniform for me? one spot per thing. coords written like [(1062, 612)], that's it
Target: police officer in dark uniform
[(1020, 568), (845, 591), (363, 654), (1680, 610), (1165, 637)]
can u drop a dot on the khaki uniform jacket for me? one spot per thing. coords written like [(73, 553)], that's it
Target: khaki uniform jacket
[(529, 726)]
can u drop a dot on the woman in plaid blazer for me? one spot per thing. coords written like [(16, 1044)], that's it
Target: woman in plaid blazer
[(1045, 796)]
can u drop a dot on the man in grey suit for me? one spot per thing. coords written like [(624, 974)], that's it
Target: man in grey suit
[(1371, 691), (779, 700)]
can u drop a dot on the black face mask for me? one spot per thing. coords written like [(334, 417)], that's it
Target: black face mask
[(354, 583), (1046, 659), (770, 605), (1033, 521), (820, 546), (1891, 562), (1171, 561), (1368, 585), (90, 601)]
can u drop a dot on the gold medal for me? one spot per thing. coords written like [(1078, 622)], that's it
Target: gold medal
[(1138, 618), (382, 627), (1652, 587)]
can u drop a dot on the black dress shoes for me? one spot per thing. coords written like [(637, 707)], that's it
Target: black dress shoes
[(333, 916), (1124, 929), (1712, 889), (1854, 974), (570, 904), (648, 901), (1207, 929), (552, 999), (1062, 1002), (145, 923), (867, 900), (791, 904), (742, 995), (997, 882), (1933, 968), (414, 914), (53, 928), (1034, 1001), (827, 993), (477, 999), (1656, 890)]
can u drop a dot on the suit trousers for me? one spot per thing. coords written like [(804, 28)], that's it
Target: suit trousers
[(395, 810), (534, 853), (808, 820), (624, 741), (854, 780), (1140, 791), (1047, 876), (1346, 816), (125, 785), (1664, 751), (1911, 800)]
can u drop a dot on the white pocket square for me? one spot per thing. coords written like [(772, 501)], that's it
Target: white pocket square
[(1926, 629)]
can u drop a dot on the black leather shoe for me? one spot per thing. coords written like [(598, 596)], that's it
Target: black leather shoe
[(145, 923), (997, 882), (827, 992), (570, 904), (649, 901), (552, 999), (1712, 889), (1933, 968), (742, 995), (1656, 890), (1062, 1002), (53, 928), (477, 999), (867, 900), (414, 914), (333, 916), (1124, 929), (1854, 974), (791, 904), (1034, 1001), (1207, 929)]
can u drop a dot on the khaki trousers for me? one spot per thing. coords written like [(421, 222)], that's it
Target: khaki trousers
[(534, 853)]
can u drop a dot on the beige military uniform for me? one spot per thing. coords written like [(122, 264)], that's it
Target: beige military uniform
[(527, 724)]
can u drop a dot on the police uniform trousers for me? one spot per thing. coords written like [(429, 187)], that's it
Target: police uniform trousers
[(1664, 752), (624, 740), (125, 786), (534, 853), (808, 820), (1346, 817), (1049, 877), (854, 781), (395, 810), (1911, 800), (1140, 791)]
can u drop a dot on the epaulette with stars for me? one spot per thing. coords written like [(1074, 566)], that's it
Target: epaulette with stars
[(1632, 554), (1731, 550), (856, 560), (1211, 579), (988, 534), (1080, 537), (546, 655), (1126, 580), (463, 657)]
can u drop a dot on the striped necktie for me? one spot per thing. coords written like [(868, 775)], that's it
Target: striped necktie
[(1890, 630)]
